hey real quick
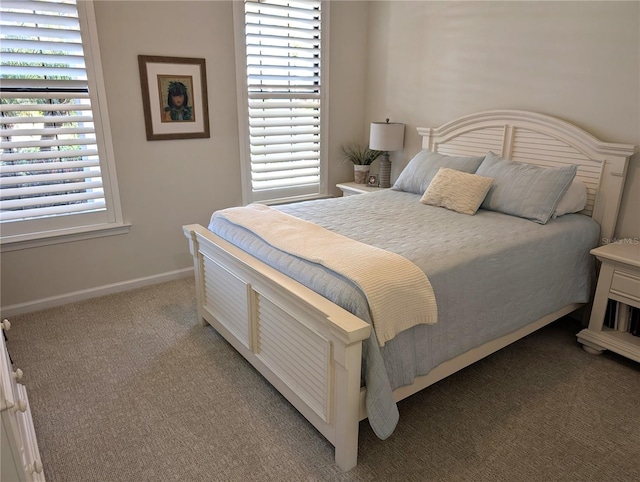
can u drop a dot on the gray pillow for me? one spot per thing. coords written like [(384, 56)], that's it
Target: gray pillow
[(524, 190), (418, 174)]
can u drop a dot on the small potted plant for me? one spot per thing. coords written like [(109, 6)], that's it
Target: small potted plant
[(362, 157)]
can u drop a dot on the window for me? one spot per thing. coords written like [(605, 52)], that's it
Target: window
[(280, 63), (56, 165)]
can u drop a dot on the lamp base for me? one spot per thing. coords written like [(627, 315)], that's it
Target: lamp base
[(384, 171)]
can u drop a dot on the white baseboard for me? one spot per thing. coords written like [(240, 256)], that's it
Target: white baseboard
[(53, 301)]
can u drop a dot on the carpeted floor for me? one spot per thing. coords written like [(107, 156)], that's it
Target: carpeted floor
[(130, 387)]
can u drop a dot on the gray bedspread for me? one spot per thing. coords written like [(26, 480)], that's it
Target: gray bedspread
[(491, 273)]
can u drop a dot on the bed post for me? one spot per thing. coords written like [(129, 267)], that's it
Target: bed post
[(347, 360), (190, 233)]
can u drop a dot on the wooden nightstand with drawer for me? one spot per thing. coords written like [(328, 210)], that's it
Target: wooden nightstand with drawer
[(619, 280)]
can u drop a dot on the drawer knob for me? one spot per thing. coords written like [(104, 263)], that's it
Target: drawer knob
[(20, 406), (18, 374), (6, 324), (35, 467)]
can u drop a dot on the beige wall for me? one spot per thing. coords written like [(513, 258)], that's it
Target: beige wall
[(422, 63), (165, 184), (430, 62)]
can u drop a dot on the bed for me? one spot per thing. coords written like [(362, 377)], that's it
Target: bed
[(308, 330)]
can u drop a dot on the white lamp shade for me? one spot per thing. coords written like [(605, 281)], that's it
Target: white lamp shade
[(386, 136)]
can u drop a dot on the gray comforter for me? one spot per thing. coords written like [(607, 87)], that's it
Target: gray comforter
[(491, 273)]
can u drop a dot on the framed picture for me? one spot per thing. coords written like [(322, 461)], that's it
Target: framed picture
[(174, 97), (372, 181)]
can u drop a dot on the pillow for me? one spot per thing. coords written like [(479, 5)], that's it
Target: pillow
[(573, 201), (524, 190), (417, 175), (456, 190)]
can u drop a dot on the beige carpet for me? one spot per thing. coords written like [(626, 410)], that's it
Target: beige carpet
[(130, 387)]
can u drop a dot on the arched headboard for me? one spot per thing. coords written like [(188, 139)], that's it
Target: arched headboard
[(545, 141)]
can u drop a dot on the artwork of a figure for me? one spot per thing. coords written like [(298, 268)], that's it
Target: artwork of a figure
[(174, 97), (177, 107)]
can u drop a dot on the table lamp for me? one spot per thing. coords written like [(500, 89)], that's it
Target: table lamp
[(386, 136)]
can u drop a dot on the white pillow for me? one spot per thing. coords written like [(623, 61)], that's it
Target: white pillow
[(573, 201), (456, 190)]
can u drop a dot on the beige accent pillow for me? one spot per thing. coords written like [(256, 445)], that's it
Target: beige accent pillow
[(456, 190)]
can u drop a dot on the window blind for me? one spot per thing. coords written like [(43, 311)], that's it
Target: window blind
[(49, 164), (283, 60)]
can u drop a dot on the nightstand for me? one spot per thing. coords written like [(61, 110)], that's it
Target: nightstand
[(619, 280), (352, 188)]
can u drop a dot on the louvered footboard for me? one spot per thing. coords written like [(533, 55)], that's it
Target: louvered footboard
[(307, 347)]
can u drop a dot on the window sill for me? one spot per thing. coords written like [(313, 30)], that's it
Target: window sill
[(293, 199), (15, 243)]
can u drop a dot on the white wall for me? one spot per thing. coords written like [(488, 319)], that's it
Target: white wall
[(430, 62), (166, 184), (422, 63)]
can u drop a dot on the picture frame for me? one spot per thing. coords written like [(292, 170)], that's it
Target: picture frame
[(174, 97), (372, 180)]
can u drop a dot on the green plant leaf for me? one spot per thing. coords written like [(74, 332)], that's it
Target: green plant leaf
[(359, 154)]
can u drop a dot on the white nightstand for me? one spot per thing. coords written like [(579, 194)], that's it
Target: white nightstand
[(619, 280), (352, 188)]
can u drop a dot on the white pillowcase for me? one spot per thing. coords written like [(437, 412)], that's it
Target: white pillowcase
[(456, 190), (573, 201)]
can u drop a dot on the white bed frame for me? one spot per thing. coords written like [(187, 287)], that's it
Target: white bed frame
[(309, 348)]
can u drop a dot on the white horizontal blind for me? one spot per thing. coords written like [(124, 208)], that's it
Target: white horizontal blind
[(49, 164), (283, 55)]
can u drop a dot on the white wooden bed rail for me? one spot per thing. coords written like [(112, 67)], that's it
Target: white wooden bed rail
[(467, 358), (309, 348)]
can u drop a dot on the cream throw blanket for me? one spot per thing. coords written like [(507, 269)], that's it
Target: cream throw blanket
[(398, 292)]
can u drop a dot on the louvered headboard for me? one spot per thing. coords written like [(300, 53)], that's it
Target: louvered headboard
[(545, 141)]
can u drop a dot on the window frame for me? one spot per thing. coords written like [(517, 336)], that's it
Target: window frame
[(248, 196), (43, 232)]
